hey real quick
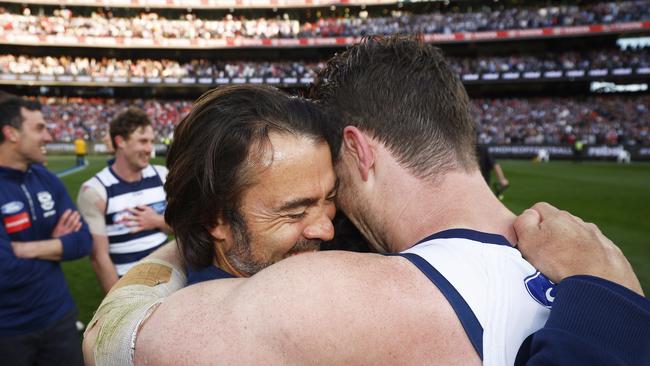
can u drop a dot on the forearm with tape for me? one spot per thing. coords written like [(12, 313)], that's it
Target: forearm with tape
[(133, 298)]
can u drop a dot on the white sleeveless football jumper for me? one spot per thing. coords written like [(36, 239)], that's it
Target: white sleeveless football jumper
[(126, 248), (498, 296)]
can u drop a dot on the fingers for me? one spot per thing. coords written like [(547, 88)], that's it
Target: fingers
[(139, 210), (69, 218), (70, 221), (66, 213), (64, 217), (74, 219), (527, 223), (545, 210)]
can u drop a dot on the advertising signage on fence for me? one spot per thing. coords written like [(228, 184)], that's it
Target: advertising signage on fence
[(487, 77), (498, 151), (566, 152)]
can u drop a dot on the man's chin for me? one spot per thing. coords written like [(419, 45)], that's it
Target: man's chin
[(40, 159)]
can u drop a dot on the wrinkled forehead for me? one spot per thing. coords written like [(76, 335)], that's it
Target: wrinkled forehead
[(284, 148), (288, 164)]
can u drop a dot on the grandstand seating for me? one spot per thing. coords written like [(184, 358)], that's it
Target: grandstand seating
[(530, 68)]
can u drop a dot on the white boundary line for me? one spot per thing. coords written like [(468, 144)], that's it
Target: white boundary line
[(72, 170)]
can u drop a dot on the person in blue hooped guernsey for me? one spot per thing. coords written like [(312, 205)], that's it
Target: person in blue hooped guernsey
[(124, 203), (40, 228)]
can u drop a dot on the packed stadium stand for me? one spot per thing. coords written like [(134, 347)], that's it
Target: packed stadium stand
[(541, 74)]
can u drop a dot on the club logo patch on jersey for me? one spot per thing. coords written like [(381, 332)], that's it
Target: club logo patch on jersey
[(45, 199), (12, 207), (16, 223), (159, 207), (540, 288)]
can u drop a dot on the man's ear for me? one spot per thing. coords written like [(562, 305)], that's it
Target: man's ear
[(358, 144), (119, 142), (221, 231), (10, 133)]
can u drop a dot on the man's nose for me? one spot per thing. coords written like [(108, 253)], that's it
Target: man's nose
[(48, 136), (148, 146), (321, 228)]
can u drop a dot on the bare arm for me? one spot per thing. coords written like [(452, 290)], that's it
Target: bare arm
[(51, 249), (503, 181), (42, 249), (92, 207), (122, 307), (102, 263), (323, 308)]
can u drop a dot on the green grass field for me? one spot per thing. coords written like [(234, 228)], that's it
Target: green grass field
[(615, 197)]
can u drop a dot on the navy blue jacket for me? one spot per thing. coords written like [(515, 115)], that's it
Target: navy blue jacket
[(33, 292), (592, 322)]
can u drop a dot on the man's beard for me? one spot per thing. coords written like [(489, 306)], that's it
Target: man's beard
[(241, 255)]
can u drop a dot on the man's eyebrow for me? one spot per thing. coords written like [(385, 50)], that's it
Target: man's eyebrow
[(305, 201), (297, 203)]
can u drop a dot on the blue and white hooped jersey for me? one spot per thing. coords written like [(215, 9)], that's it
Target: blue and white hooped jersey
[(125, 248), (498, 296)]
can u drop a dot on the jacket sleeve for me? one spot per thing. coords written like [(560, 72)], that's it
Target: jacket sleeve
[(593, 322), (76, 244)]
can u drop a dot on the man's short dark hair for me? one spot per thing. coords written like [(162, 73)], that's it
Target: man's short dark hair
[(210, 158), (128, 122), (402, 92), (10, 114)]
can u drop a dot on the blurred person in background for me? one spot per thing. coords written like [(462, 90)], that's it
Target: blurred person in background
[(124, 203), (80, 149), (40, 228), (487, 164)]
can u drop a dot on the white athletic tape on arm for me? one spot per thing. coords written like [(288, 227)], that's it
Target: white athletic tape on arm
[(125, 309)]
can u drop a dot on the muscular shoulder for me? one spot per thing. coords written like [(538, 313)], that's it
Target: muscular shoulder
[(92, 189), (328, 307), (91, 203)]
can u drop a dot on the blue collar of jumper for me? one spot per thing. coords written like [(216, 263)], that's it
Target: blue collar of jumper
[(474, 235), (208, 273)]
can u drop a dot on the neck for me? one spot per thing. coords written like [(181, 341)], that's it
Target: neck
[(9, 159), (126, 171), (457, 199)]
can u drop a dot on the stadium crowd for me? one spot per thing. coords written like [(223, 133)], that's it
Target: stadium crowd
[(150, 25), (596, 59), (105, 67), (596, 120), (108, 67), (71, 117)]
